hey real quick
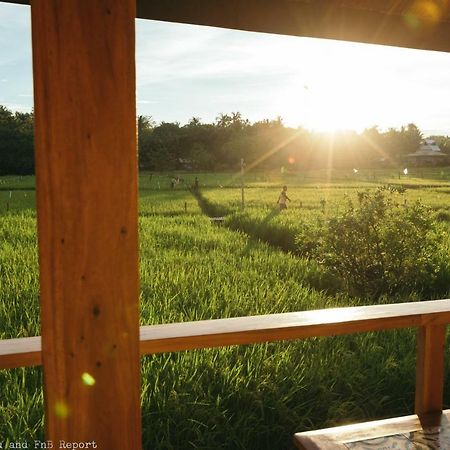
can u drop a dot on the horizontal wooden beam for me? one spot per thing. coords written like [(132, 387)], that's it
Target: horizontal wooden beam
[(288, 326), (401, 24), (21, 352), (334, 438), (257, 329), (329, 19)]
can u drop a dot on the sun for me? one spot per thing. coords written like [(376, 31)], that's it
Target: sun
[(339, 88), (331, 105)]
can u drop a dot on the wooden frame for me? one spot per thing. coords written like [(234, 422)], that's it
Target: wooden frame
[(84, 77)]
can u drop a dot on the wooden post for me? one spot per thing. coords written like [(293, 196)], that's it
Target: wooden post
[(430, 369), (86, 175)]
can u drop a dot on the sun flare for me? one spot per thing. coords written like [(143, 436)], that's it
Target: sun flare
[(339, 87)]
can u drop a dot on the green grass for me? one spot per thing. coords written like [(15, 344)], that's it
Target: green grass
[(318, 199), (239, 397)]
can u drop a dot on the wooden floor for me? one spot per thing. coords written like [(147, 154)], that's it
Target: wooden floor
[(431, 432)]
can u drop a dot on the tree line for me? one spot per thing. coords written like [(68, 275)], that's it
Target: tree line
[(269, 144), (266, 144), (16, 142)]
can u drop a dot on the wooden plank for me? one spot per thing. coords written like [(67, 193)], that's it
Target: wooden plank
[(254, 329), (401, 25), (430, 369), (21, 352), (86, 175), (296, 325), (333, 438)]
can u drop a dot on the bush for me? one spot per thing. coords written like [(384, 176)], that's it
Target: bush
[(377, 246)]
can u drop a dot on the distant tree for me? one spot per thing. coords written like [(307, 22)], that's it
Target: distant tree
[(412, 138), (398, 143), (201, 158), (145, 126), (145, 123), (223, 120), (16, 142), (194, 122)]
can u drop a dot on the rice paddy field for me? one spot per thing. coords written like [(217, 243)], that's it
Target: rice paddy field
[(239, 397)]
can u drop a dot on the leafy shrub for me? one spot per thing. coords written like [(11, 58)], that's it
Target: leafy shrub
[(376, 246)]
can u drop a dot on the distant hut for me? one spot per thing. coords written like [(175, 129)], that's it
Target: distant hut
[(428, 154)]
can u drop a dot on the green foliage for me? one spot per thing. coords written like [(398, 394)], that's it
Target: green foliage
[(268, 144), (16, 142), (377, 246)]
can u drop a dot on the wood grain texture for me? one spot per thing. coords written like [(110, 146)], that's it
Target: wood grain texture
[(333, 438), (430, 369), (296, 325), (266, 328), (389, 22), (86, 176)]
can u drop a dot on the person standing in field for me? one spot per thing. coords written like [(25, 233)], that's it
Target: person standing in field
[(282, 198)]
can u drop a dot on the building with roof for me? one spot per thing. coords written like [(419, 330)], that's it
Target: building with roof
[(428, 154)]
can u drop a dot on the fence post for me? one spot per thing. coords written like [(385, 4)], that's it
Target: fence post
[(430, 369)]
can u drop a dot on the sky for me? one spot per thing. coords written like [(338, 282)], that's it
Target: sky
[(185, 71)]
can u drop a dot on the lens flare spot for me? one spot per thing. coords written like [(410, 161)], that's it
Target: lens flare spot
[(430, 11), (88, 379), (412, 20), (61, 410), (291, 160), (424, 12)]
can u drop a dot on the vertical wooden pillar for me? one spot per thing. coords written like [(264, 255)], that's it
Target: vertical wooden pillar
[(86, 168), (430, 369)]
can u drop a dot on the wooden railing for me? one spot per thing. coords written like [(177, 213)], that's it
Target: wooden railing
[(430, 318)]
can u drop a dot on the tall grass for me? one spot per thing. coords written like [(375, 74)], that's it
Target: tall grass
[(239, 397)]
